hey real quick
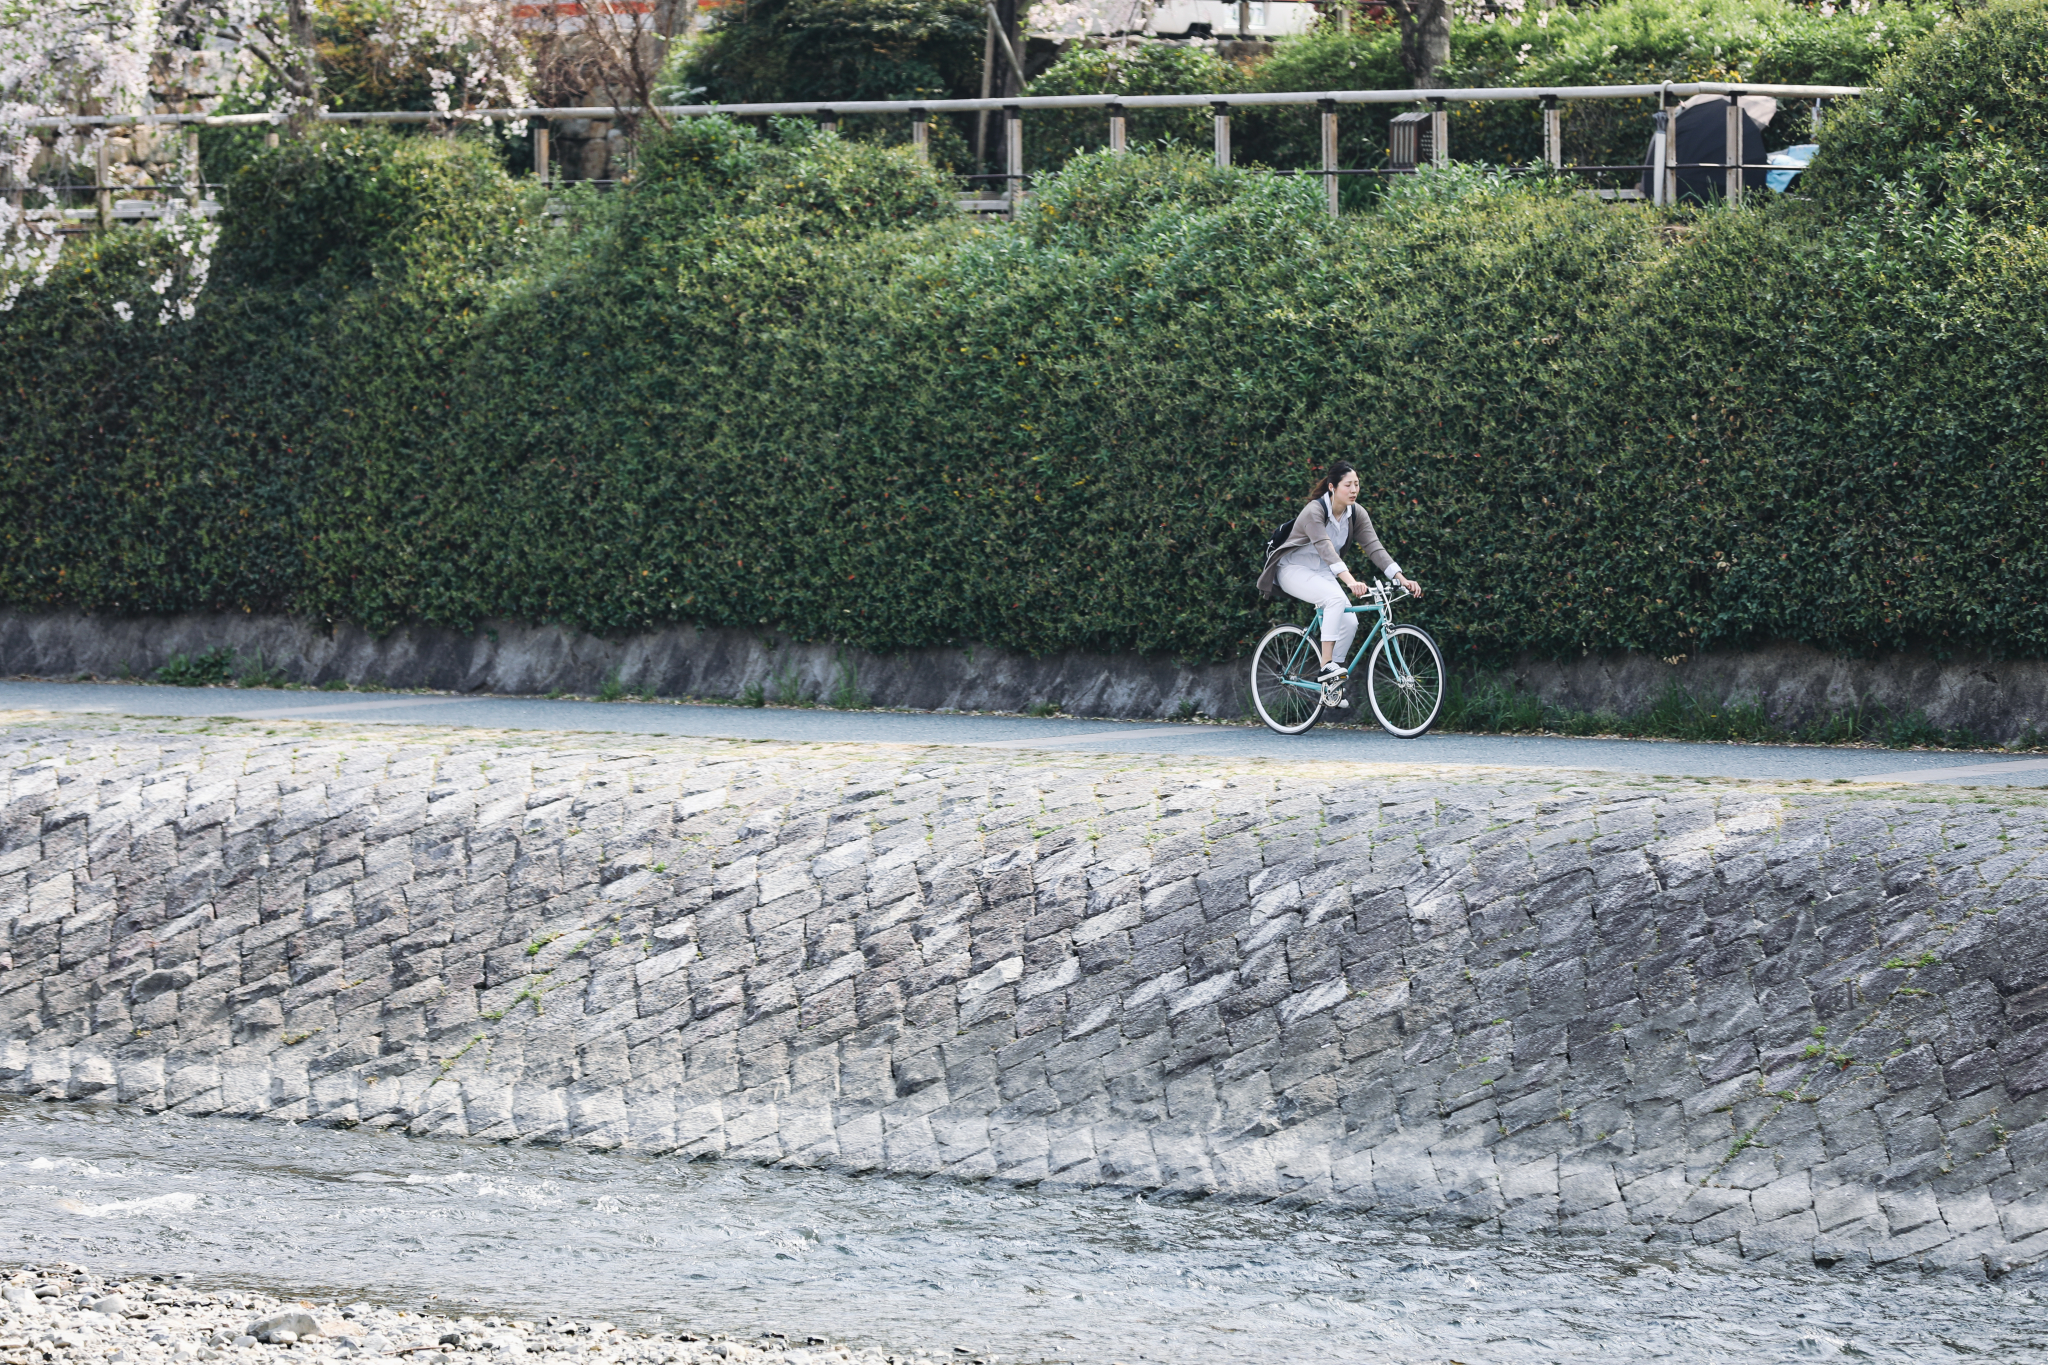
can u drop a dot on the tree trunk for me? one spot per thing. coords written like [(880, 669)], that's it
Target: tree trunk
[(1425, 39), (988, 75), (301, 64), (1013, 80)]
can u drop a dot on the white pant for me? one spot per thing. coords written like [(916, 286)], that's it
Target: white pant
[(1321, 588)]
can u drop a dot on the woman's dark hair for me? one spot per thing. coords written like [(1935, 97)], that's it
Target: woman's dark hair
[(1332, 476)]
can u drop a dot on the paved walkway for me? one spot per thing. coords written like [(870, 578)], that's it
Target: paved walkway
[(1778, 762)]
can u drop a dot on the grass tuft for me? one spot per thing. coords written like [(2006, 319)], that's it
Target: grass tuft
[(1498, 707)]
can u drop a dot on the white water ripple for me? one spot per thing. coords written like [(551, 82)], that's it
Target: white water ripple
[(180, 1202)]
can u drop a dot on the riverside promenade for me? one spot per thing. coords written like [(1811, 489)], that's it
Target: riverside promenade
[(1336, 743), (1784, 1020)]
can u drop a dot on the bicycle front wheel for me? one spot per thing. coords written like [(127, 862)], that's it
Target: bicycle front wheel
[(1404, 681), (1284, 686)]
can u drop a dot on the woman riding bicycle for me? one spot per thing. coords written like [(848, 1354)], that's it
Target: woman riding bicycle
[(1309, 563)]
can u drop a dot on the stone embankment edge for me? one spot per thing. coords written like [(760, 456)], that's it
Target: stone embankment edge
[(2001, 701), (60, 1312), (1700, 1014)]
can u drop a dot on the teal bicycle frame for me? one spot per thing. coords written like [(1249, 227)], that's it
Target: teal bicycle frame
[(1308, 654)]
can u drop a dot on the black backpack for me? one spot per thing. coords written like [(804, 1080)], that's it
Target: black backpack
[(1276, 540)]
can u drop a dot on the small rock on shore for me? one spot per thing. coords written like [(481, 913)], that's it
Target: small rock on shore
[(65, 1315)]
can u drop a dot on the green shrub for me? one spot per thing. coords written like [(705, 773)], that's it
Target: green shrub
[(350, 204), (837, 51), (1140, 69), (1101, 200), (1634, 41), (846, 690), (809, 182), (1490, 705), (1959, 120), (1291, 136), (789, 689), (790, 51), (210, 669), (254, 672), (776, 384)]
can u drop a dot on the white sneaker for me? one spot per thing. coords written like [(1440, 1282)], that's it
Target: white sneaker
[(1333, 677)]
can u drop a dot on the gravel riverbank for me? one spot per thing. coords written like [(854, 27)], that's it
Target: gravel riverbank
[(65, 1315)]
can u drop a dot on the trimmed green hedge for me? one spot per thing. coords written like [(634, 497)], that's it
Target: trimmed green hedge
[(780, 384), (1960, 121)]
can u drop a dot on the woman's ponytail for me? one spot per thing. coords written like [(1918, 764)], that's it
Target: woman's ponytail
[(1332, 476)]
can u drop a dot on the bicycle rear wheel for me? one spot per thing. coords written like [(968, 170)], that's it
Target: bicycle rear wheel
[(1404, 681), (1284, 687)]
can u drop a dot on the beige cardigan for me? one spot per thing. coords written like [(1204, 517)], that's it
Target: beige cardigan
[(1312, 527)]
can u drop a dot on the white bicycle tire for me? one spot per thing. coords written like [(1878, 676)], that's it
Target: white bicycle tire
[(1278, 719), (1419, 709)]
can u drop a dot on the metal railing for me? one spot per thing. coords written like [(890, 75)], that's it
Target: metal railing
[(1435, 137)]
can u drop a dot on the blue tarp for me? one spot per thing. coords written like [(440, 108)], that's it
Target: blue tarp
[(1793, 160)]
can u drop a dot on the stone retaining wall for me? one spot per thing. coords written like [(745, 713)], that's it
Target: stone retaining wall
[(2001, 701), (1803, 1024), (678, 661)]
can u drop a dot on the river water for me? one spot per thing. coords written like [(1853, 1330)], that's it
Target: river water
[(917, 1264)]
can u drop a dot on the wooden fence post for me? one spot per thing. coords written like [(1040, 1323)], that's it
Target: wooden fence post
[(1731, 175), (1670, 147), (1553, 134), (1660, 156), (103, 196), (1326, 115), (1119, 130), (1013, 148), (540, 151)]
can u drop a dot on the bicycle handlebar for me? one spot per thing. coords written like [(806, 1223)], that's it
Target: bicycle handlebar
[(1380, 595)]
